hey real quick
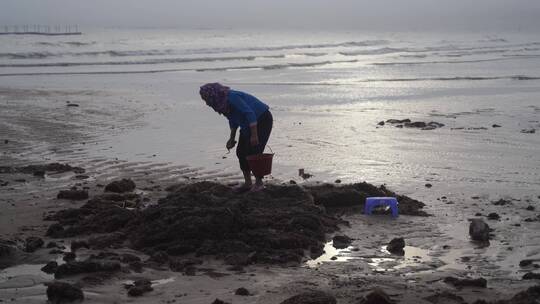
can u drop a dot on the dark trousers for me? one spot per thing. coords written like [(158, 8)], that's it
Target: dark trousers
[(244, 148)]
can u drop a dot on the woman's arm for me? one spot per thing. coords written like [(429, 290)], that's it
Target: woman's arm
[(231, 142), (254, 140)]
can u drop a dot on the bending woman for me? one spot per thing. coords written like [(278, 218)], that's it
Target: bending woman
[(254, 119)]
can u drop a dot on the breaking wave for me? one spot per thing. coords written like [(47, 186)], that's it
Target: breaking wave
[(455, 61), (127, 53), (141, 62)]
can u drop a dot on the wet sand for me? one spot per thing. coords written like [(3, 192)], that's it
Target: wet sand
[(45, 129)]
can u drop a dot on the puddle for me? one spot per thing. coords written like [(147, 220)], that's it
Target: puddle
[(28, 275), (339, 255), (414, 257), (25, 275), (154, 282), (163, 281)]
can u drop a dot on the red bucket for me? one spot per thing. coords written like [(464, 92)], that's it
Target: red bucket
[(260, 164)]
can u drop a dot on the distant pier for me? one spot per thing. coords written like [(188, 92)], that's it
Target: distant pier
[(44, 30)]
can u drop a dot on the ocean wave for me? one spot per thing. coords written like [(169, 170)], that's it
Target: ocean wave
[(230, 68), (454, 51), (486, 49), (455, 61), (140, 62), (276, 66), (339, 83), (127, 53), (46, 54), (380, 51), (493, 40), (26, 55), (313, 54), (70, 43), (288, 47)]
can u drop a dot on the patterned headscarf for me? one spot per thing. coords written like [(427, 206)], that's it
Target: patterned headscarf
[(215, 96)]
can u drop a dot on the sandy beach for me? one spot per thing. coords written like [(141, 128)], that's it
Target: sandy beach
[(438, 246), (453, 147)]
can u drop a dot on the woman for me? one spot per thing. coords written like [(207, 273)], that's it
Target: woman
[(255, 122)]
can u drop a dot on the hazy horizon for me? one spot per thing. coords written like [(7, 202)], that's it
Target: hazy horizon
[(392, 15)]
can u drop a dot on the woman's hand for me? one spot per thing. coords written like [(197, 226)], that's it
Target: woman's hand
[(254, 140), (230, 143)]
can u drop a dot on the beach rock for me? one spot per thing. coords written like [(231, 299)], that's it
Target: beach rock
[(528, 131), (184, 265), (428, 185), (129, 258), (241, 292), (479, 230), (136, 266), (480, 282), (396, 246), (121, 186), (381, 123), (8, 254), (495, 126), (50, 267), (33, 243), (69, 256), (76, 245), (60, 292), (312, 297), (531, 276), (354, 195), (160, 257), (55, 231), (7, 249), (6, 141), (397, 121), (94, 279), (3, 183), (530, 208), (341, 241), (39, 173), (277, 226), (416, 124), (140, 287), (72, 105), (51, 167), (525, 263), (501, 202), (218, 301), (78, 267), (377, 296), (494, 216), (445, 297), (72, 194), (529, 296), (95, 216)]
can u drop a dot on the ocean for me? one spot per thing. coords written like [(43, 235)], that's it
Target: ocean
[(138, 96)]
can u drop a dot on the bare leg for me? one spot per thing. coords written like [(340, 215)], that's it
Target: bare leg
[(247, 178), (258, 181)]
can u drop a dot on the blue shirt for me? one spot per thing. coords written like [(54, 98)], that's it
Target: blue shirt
[(244, 110)]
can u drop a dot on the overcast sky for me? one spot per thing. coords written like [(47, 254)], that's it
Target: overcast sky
[(321, 14)]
